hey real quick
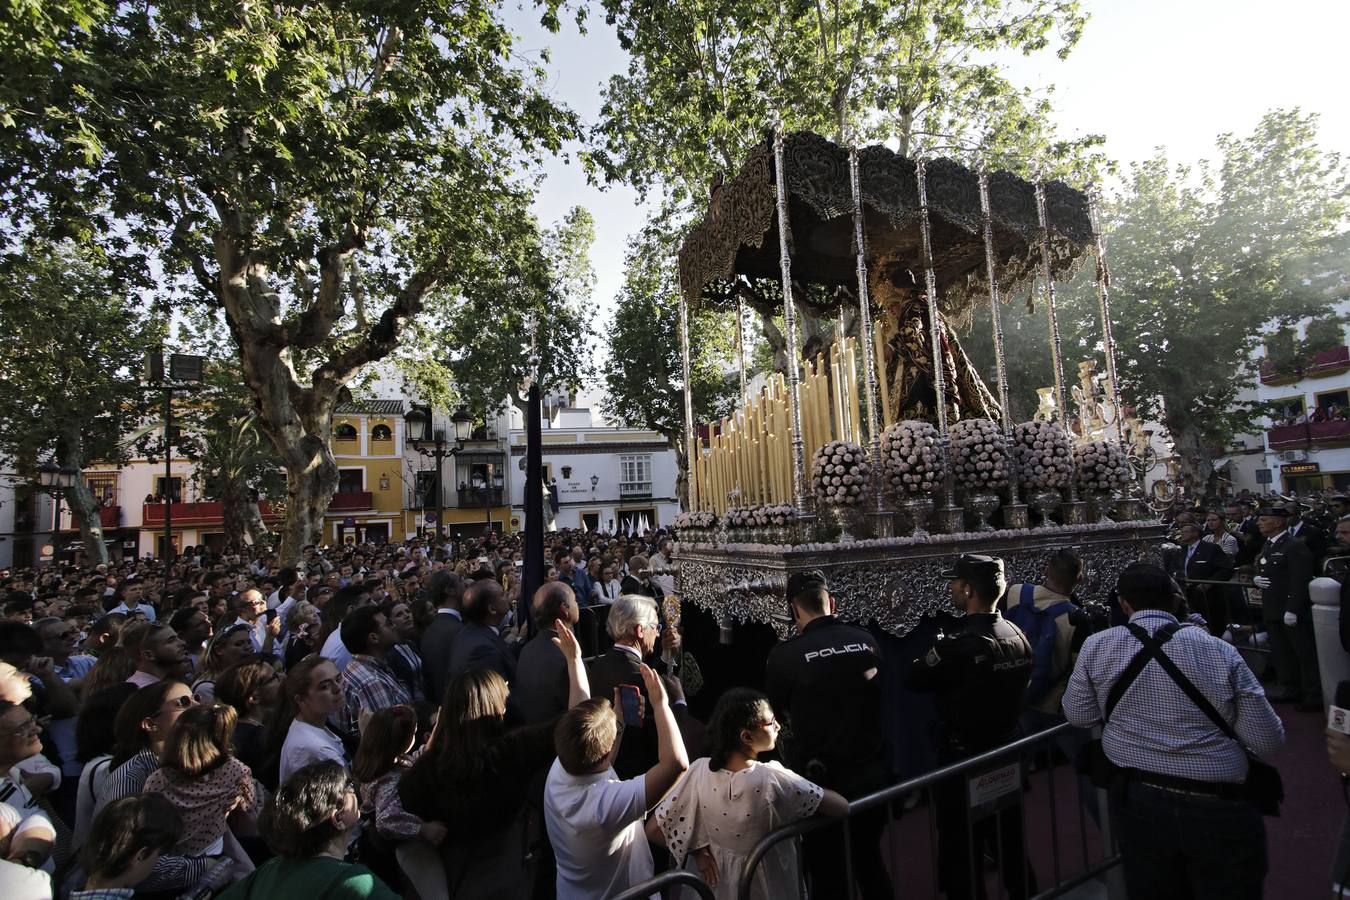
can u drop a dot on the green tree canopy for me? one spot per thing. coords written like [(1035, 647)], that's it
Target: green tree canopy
[(323, 174)]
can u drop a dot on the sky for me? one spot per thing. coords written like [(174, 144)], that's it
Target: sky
[(1146, 74)]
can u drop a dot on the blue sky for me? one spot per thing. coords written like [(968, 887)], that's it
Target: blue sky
[(1147, 73)]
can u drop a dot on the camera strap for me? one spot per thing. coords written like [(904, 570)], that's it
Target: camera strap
[(1131, 672)]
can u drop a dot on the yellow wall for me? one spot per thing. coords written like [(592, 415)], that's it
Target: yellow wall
[(348, 455)]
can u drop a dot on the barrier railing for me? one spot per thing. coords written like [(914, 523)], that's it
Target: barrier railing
[(1005, 771), (669, 878)]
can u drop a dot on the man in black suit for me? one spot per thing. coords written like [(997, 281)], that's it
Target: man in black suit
[(639, 580), (1248, 534), (1314, 538), (540, 688), (478, 645), (1284, 569), (445, 589), (633, 623), (1204, 561)]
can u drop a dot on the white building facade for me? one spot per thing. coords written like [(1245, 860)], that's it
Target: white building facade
[(603, 478)]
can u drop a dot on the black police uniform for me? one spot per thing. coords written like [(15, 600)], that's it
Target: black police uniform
[(979, 669), (827, 683), (1287, 562)]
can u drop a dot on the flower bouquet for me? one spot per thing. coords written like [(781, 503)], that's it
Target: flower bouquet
[(842, 478)]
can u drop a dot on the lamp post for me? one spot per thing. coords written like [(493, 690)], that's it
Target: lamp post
[(183, 369), (56, 480), (418, 420)]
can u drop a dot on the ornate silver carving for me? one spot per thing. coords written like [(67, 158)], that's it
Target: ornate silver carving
[(865, 326), (790, 321), (897, 581), (1056, 343), (949, 517), (690, 433)]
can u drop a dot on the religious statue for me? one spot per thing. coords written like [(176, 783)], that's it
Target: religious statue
[(902, 331)]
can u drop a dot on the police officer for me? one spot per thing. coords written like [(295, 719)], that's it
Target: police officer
[(827, 682), (1284, 568), (979, 670)]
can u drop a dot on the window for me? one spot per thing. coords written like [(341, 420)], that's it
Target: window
[(103, 485), (590, 521), (635, 476), (351, 481), (345, 431), (381, 433), (1287, 411), (176, 484), (424, 491)]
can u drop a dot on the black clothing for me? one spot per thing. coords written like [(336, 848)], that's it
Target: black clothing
[(616, 666), (631, 585), (979, 671), (1208, 563), (541, 686), (436, 641), (1293, 648), (480, 647), (826, 682)]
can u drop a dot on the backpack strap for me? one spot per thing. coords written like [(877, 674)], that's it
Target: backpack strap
[(1027, 593), (1153, 648), (1126, 679)]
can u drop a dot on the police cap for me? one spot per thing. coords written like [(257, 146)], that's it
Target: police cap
[(975, 567), (800, 582)]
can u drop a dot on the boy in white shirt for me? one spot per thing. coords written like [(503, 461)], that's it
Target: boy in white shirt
[(594, 819)]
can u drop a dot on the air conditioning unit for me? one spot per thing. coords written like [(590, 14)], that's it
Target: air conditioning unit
[(1293, 456)]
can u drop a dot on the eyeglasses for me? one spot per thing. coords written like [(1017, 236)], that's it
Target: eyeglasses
[(31, 725), (61, 636), (181, 702), (772, 723)]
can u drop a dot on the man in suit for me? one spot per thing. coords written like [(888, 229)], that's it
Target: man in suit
[(1285, 566), (1248, 534), (446, 590), (1314, 538), (478, 645), (633, 624), (1204, 561), (540, 688)]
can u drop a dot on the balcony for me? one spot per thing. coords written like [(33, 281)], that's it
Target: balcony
[(480, 497), (1319, 365), (211, 512), (110, 516), (635, 489), (349, 501), (1317, 434), (1327, 362)]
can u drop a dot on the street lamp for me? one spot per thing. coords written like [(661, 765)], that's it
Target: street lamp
[(418, 421), (595, 482), (56, 480)]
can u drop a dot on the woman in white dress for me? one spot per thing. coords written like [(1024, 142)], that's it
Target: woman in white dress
[(727, 801)]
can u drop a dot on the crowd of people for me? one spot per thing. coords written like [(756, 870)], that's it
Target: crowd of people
[(397, 720)]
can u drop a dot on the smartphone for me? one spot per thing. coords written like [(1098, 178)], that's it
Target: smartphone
[(630, 701), (271, 614)]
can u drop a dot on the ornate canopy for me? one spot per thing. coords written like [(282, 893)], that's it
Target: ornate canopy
[(738, 234)]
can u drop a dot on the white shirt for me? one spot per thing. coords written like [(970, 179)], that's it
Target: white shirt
[(145, 608), (595, 825), (606, 591), (306, 744), (335, 650), (257, 631)]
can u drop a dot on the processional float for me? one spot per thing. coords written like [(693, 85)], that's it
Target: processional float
[(842, 461)]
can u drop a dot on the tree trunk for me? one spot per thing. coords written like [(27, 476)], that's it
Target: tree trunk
[(257, 529), (1193, 455), (84, 509), (311, 481), (234, 503)]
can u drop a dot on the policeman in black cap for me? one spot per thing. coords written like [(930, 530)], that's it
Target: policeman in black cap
[(979, 670), (827, 682), (1284, 567)]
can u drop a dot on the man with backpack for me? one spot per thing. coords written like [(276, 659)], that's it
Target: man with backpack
[(1044, 613)]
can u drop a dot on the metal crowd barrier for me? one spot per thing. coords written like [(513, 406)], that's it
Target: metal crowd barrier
[(1006, 766), (669, 878)]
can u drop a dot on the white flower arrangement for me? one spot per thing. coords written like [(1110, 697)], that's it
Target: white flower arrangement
[(739, 517), (981, 454), (1102, 466), (841, 474), (774, 516), (911, 458), (1044, 455), (695, 519)]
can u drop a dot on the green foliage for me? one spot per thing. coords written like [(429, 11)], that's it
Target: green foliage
[(1205, 262), (706, 79), (643, 373), (71, 380)]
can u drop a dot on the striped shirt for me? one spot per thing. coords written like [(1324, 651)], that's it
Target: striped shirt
[(1156, 727), (368, 683)]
